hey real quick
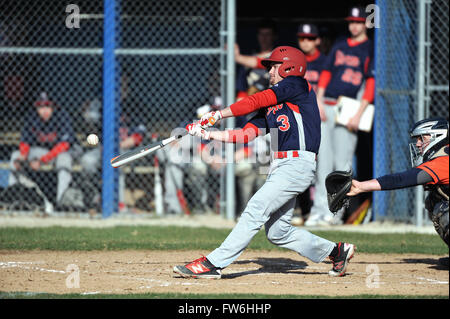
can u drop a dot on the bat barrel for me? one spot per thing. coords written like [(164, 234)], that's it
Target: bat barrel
[(143, 151)]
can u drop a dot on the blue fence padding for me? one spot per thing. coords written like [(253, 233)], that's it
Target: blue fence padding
[(395, 83), (379, 206), (110, 175), (4, 178)]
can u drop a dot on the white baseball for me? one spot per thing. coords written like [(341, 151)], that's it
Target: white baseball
[(92, 139)]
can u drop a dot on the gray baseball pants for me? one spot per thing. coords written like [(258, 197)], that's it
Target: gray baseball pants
[(63, 165), (273, 206), (337, 147)]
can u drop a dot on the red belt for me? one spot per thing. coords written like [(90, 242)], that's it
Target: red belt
[(278, 155), (330, 102)]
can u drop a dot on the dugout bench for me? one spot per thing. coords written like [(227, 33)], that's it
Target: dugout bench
[(9, 142)]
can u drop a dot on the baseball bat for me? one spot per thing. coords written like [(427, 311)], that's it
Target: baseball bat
[(142, 151)]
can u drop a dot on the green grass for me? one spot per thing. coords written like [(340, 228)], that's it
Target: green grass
[(181, 238)]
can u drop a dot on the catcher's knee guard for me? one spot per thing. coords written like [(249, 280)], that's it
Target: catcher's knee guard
[(439, 217)]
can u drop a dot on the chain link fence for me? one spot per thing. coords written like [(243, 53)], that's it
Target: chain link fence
[(168, 64), (169, 68), (401, 99), (437, 59)]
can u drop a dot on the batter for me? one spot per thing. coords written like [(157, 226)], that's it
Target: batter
[(289, 112)]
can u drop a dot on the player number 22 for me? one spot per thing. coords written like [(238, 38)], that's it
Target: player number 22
[(353, 77), (284, 123)]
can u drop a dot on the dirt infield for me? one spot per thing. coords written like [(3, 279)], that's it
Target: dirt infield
[(256, 272)]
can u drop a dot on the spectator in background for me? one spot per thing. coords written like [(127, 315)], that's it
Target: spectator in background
[(346, 70), (46, 138)]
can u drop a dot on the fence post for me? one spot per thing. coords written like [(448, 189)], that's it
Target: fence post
[(421, 43), (230, 178), (110, 111)]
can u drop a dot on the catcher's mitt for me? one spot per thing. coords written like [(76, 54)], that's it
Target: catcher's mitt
[(338, 184)]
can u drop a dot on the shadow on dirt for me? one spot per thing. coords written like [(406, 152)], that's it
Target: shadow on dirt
[(271, 265), (438, 263)]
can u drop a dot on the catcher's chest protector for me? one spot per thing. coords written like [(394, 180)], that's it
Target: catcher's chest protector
[(437, 204)]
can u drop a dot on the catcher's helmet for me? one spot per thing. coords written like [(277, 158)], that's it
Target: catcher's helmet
[(293, 61), (437, 129)]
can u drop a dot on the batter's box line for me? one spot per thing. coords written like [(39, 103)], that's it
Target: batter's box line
[(161, 283), (34, 268)]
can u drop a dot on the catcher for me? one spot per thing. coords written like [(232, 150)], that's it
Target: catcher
[(430, 160)]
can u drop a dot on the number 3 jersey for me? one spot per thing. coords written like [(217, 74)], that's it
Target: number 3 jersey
[(289, 112)]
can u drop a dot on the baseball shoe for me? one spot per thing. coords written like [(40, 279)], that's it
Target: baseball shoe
[(199, 268), (340, 262)]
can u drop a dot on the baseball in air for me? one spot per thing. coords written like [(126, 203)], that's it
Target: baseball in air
[(92, 139)]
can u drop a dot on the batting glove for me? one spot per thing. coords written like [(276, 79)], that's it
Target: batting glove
[(210, 118), (196, 130)]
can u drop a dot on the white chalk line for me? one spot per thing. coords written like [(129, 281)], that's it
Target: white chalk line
[(20, 264), (155, 282)]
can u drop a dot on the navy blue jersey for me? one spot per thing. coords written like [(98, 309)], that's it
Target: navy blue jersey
[(295, 117), (349, 64), (57, 129), (241, 79), (315, 64)]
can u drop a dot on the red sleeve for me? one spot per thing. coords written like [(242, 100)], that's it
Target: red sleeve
[(254, 102), (369, 91), (24, 148), (258, 63), (438, 169), (55, 151), (244, 135), (324, 79)]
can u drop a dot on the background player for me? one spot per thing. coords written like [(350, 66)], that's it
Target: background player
[(430, 161), (289, 111), (309, 42), (46, 137), (345, 69)]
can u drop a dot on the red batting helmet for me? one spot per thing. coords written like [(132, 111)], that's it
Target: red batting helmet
[(293, 61)]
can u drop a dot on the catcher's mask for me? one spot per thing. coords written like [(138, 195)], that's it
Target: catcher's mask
[(437, 129), (293, 61)]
